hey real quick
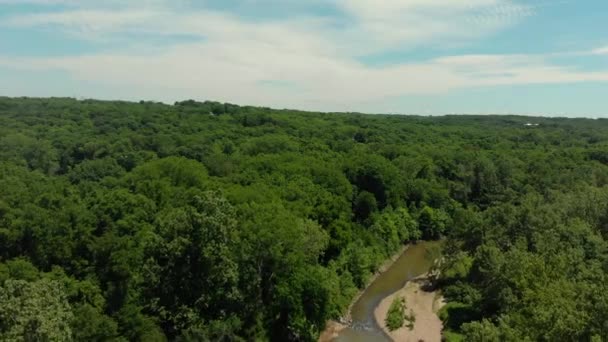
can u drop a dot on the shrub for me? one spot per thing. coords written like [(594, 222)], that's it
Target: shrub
[(396, 314)]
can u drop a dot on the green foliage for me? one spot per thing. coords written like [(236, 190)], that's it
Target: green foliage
[(19, 269), (394, 227), (90, 324), (212, 221), (365, 205), (451, 336), (190, 260), (34, 311), (95, 170), (433, 222), (458, 266), (481, 331), (395, 317), (454, 314)]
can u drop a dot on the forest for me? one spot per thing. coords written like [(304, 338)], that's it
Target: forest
[(207, 221)]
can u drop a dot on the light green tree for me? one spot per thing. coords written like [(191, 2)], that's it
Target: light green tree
[(34, 311)]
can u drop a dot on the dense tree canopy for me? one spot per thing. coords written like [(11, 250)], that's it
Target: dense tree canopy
[(208, 221)]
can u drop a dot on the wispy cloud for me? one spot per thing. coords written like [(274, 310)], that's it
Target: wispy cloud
[(601, 51), (246, 61), (226, 72), (82, 21), (35, 2), (361, 26)]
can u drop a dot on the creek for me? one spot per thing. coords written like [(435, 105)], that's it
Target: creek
[(414, 261)]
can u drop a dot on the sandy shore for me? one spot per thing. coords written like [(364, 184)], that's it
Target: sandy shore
[(424, 304), (332, 328)]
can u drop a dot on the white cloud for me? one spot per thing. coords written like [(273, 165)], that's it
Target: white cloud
[(35, 2), (601, 51), (234, 73), (430, 22), (365, 26), (317, 55), (79, 21)]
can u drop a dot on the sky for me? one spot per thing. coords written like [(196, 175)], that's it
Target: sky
[(429, 57)]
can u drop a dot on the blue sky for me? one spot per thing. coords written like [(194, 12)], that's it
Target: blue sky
[(535, 57)]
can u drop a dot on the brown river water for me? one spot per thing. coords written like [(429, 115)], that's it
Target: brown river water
[(412, 263)]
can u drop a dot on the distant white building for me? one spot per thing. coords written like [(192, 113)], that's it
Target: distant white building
[(529, 124)]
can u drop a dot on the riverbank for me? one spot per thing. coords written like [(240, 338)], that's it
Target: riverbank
[(424, 303), (383, 268), (333, 328)]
